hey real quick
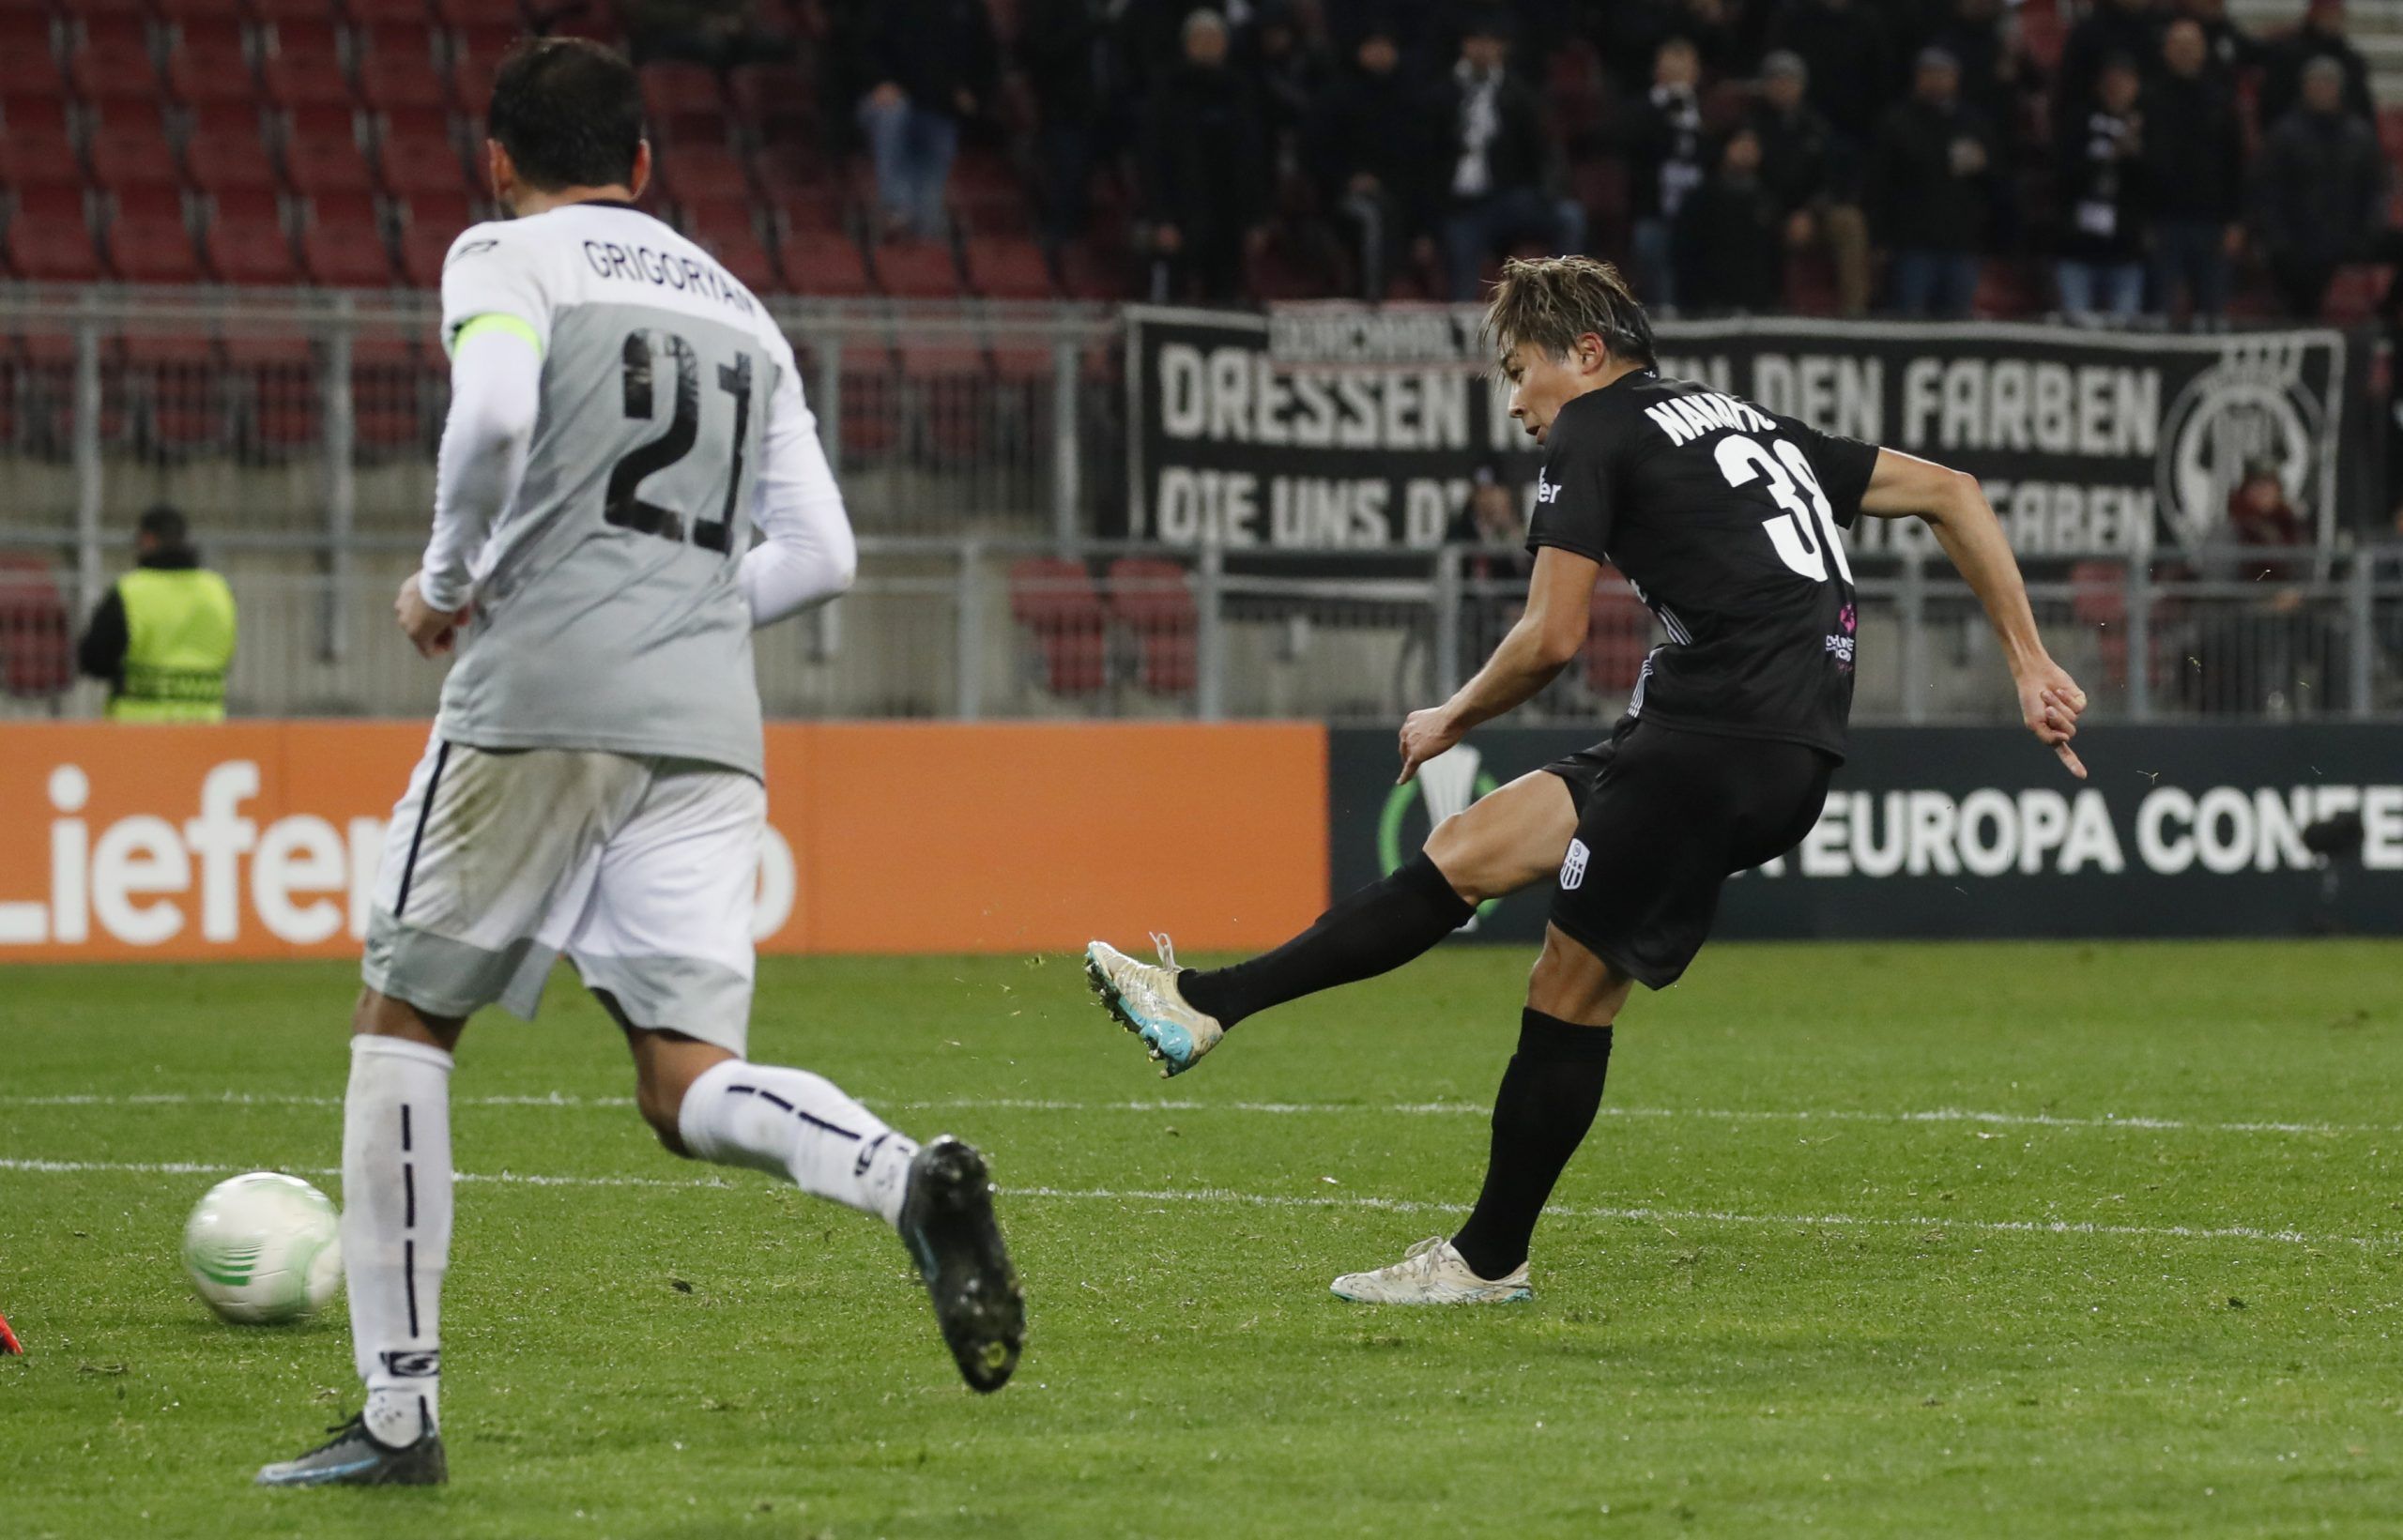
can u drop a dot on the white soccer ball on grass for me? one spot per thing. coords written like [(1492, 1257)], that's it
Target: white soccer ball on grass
[(264, 1248)]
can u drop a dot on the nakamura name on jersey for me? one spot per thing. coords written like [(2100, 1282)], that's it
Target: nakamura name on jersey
[(1723, 517)]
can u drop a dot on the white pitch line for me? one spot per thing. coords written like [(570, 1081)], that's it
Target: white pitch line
[(1228, 1196), (1009, 1104)]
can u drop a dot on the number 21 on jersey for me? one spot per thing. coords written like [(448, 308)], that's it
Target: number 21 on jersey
[(1804, 528)]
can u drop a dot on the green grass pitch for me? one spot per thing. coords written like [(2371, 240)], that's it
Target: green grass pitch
[(1871, 1240)]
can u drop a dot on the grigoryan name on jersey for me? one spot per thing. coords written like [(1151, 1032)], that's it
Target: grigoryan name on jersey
[(608, 613)]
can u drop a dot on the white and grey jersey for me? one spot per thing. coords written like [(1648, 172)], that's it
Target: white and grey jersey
[(607, 612)]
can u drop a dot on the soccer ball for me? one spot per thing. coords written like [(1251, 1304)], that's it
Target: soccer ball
[(263, 1248)]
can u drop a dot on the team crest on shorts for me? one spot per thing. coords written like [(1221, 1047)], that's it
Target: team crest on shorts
[(1573, 871)]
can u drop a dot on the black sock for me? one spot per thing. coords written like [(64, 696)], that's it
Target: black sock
[(1548, 1099), (1373, 931)]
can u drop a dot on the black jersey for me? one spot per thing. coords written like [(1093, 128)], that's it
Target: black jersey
[(1723, 517)]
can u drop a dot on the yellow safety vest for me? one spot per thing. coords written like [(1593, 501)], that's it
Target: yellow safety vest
[(179, 641)]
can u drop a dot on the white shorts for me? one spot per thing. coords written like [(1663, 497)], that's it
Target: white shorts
[(641, 870)]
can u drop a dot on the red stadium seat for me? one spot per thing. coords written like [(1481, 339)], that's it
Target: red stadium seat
[(1053, 598), (411, 166), (189, 14), (37, 154), (1089, 273), (112, 70), (317, 164), (50, 239), (691, 171), (152, 245), (423, 248), (236, 160), (741, 251), (1003, 268), (471, 86), (483, 39), (1618, 637), (26, 61), (987, 196), (289, 12), (296, 77), (693, 215), (343, 247), (207, 71), (127, 151), (684, 103), (386, 376), (380, 12), (775, 101), (1153, 602), (173, 390), (279, 376), (917, 269), (247, 244), (37, 633), (389, 81), (825, 261)]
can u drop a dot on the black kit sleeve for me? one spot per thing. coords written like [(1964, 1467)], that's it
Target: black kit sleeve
[(1573, 495)]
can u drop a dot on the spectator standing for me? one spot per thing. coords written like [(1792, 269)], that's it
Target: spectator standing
[(2113, 29), (2320, 36), (1060, 47), (1289, 72), (1851, 59), (1496, 159), (1814, 176), (2229, 47), (1729, 239), (2104, 197), (931, 64), (1931, 187), (1663, 139), (2318, 189), (1204, 169), (2193, 148), (163, 637), (1367, 150)]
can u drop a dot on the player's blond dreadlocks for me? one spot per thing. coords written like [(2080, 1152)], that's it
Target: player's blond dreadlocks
[(1547, 303)]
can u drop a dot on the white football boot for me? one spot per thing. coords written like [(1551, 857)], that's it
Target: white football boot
[(1145, 999), (1431, 1273)]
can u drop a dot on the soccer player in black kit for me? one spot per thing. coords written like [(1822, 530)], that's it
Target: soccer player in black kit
[(1723, 517)]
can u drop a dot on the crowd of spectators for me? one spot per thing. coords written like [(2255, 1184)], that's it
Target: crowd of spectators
[(2112, 159)]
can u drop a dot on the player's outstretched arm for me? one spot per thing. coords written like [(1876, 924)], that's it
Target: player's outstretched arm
[(1955, 507), (808, 555), (496, 388), (1560, 602)]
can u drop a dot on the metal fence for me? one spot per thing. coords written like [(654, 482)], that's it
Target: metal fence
[(977, 628), (977, 443)]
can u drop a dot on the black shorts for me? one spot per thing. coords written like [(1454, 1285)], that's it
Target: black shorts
[(1663, 817)]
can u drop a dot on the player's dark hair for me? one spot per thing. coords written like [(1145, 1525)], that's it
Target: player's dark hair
[(569, 112), (1547, 303)]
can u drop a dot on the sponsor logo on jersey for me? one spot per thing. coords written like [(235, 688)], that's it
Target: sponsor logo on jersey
[(1573, 871), (1547, 489)]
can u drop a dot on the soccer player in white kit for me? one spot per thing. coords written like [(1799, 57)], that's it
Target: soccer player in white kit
[(624, 413)]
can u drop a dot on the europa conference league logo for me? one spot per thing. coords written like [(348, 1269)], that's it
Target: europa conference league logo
[(1446, 785)]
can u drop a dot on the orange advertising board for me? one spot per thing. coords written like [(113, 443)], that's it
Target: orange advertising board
[(261, 839)]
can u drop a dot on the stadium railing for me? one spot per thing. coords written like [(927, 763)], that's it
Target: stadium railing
[(973, 628), (978, 443)]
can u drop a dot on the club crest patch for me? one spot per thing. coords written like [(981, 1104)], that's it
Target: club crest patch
[(1573, 871)]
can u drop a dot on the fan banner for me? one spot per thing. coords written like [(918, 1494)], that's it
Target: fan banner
[(1338, 428), (1977, 832)]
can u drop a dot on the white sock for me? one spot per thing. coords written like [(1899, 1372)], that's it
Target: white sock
[(795, 1124), (396, 1226)]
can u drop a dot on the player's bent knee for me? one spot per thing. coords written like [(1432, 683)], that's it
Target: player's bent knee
[(1571, 983), (378, 1015)]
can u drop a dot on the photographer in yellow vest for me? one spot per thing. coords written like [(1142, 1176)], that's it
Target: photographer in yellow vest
[(163, 637)]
